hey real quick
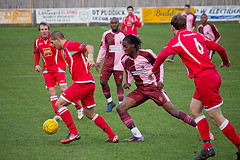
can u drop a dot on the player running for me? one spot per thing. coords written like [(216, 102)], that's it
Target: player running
[(190, 24), (111, 50), (209, 30), (53, 67), (193, 50), (130, 22), (83, 86), (137, 62)]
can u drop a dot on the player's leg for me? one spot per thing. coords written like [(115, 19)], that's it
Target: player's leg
[(69, 96), (50, 83), (224, 125), (169, 107), (203, 128), (161, 99), (118, 76), (67, 118), (88, 106), (104, 77), (133, 99), (60, 78)]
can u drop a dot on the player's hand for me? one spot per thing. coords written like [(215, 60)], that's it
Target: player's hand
[(227, 65), (91, 63), (127, 86), (38, 68), (160, 85), (150, 73), (97, 67), (131, 20)]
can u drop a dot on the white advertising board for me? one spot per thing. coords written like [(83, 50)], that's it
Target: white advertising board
[(218, 13), (62, 15)]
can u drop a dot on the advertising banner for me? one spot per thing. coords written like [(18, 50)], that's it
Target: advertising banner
[(160, 15), (218, 13), (62, 15), (15, 17), (104, 15)]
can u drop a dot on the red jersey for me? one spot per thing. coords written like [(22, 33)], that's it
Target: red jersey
[(52, 58), (193, 50), (76, 59), (131, 28)]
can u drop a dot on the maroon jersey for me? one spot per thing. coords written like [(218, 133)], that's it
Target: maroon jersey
[(75, 57), (138, 68), (52, 58), (111, 50), (210, 31), (190, 21)]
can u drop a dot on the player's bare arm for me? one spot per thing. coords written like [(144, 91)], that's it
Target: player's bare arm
[(90, 51)]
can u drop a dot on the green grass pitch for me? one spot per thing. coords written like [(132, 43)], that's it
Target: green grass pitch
[(25, 104)]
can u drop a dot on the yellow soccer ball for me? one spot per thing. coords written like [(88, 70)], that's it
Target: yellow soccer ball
[(50, 126)]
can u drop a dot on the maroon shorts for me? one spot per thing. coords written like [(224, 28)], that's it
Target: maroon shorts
[(106, 73), (83, 92), (207, 85), (52, 77), (143, 93)]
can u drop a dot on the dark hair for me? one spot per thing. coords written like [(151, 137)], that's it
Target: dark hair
[(130, 7), (131, 39), (115, 19), (187, 5), (43, 24), (203, 15), (178, 21), (56, 34)]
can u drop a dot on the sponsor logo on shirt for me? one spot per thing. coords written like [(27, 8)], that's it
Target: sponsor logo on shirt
[(47, 52), (139, 72)]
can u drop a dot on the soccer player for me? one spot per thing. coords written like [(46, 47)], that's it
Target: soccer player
[(209, 30), (137, 62), (193, 50), (53, 66), (83, 86), (191, 23), (111, 50), (130, 22)]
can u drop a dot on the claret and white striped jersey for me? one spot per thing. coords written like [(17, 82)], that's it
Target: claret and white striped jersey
[(111, 49), (138, 68)]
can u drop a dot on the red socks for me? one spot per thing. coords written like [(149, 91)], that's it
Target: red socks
[(54, 100), (229, 131), (67, 118), (203, 129), (100, 122)]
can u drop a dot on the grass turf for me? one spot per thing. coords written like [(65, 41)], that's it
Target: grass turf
[(25, 104)]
